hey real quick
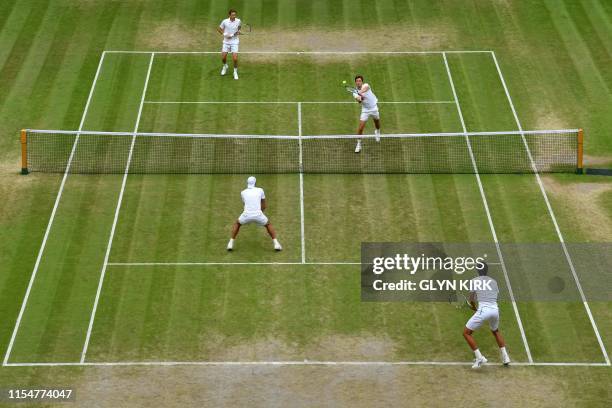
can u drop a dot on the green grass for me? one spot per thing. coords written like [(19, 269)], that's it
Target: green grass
[(554, 56), (187, 218)]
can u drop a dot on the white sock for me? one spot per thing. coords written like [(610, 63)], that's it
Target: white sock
[(235, 69), (503, 351), (477, 353), (231, 240), (275, 241)]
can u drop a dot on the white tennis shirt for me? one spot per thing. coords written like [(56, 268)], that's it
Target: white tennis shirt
[(251, 197), (487, 297), (230, 27), (369, 101)]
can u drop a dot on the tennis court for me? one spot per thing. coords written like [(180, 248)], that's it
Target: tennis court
[(144, 259)]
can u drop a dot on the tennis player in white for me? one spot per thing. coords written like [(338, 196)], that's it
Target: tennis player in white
[(254, 200), (230, 29), (369, 109), (486, 312)]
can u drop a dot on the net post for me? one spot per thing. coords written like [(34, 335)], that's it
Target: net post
[(580, 152), (24, 152)]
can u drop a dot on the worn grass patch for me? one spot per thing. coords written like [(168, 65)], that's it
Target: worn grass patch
[(586, 200)]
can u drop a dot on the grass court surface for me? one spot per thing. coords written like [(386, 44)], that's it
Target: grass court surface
[(134, 270)]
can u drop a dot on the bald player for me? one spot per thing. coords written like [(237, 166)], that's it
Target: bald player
[(254, 200), (486, 312)]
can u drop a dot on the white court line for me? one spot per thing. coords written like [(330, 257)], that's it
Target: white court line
[(305, 52), (112, 233), (299, 110), (52, 217), (488, 212), (236, 263), (225, 263), (291, 102), (299, 363), (552, 215)]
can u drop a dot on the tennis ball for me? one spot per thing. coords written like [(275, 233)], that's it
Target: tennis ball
[(343, 82)]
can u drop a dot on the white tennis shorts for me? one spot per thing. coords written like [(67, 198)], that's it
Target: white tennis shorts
[(259, 219), (233, 48), (365, 115), (482, 315)]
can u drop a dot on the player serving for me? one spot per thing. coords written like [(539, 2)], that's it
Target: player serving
[(230, 29), (487, 311), (254, 200), (369, 108)]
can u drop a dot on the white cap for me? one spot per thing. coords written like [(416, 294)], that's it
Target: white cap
[(251, 181)]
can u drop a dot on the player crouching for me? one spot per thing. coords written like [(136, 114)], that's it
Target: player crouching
[(487, 311), (254, 200)]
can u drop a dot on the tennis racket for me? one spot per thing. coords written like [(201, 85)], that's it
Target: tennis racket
[(460, 301), (245, 29), (351, 89)]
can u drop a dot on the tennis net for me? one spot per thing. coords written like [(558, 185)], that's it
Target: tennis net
[(483, 152)]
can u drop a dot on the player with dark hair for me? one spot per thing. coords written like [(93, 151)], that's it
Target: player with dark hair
[(369, 108), (230, 30), (487, 311)]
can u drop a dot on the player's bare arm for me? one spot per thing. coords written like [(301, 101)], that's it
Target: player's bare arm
[(254, 200), (369, 109), (363, 89), (220, 31), (472, 301), (486, 312), (230, 30)]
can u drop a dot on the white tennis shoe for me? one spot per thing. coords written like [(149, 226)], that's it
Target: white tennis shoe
[(358, 147), (277, 246), (235, 74), (479, 362), (224, 70), (506, 359), (377, 134), (230, 245)]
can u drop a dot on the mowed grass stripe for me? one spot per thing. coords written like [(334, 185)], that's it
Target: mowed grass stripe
[(227, 313), (213, 203), (15, 59), (399, 208), (570, 30), (305, 284), (6, 10), (30, 77), (32, 100), (55, 319), (551, 85), (18, 241), (54, 323), (520, 215), (22, 71), (116, 100)]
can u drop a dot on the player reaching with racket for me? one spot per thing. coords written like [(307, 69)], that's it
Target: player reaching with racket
[(487, 311), (230, 29), (254, 200), (369, 108)]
